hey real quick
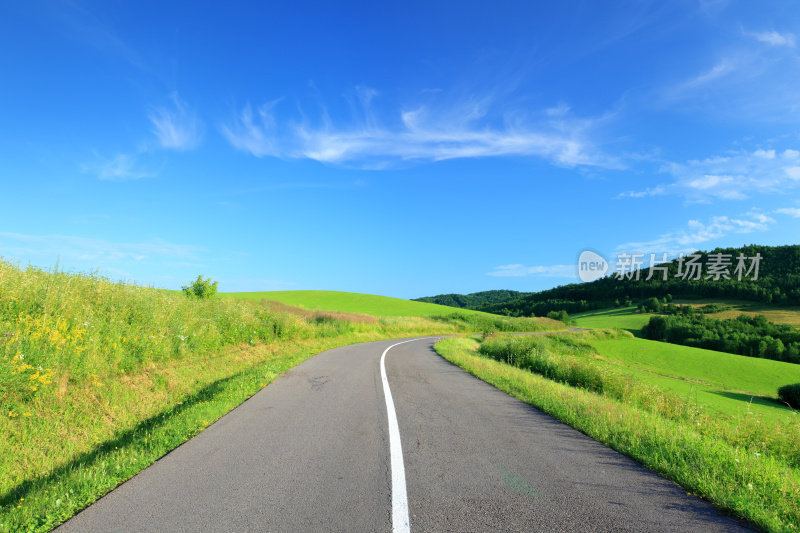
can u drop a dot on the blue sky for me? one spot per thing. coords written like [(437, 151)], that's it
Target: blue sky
[(404, 149)]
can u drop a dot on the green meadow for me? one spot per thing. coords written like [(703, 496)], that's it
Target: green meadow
[(622, 318), (350, 302), (731, 384)]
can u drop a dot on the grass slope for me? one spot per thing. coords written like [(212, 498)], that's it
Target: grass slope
[(728, 383), (622, 318), (350, 302)]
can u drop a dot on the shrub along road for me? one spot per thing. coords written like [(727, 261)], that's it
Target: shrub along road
[(311, 452)]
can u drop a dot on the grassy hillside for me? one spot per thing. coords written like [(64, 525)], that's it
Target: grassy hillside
[(349, 302), (728, 383), (725, 382), (622, 317), (100, 379)]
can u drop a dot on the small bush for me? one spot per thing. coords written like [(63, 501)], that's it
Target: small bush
[(561, 316), (201, 288), (790, 394)]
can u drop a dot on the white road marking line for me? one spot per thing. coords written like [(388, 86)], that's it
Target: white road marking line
[(400, 522)]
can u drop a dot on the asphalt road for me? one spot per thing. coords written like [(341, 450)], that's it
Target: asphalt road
[(311, 452)]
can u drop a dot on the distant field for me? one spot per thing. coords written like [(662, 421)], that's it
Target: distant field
[(622, 318), (731, 384), (627, 317), (779, 315), (350, 302)]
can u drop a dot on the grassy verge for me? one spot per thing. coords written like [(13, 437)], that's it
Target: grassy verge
[(98, 379), (709, 455)]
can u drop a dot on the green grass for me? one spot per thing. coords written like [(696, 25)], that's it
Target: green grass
[(100, 379), (728, 383), (747, 466), (622, 318), (350, 302)]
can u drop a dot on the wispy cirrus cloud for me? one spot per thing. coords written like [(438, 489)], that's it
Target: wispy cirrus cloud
[(518, 270), (719, 70), (734, 175), (738, 174), (774, 38), (422, 133), (752, 78), (254, 132), (92, 252), (698, 232), (658, 190), (121, 167), (176, 127)]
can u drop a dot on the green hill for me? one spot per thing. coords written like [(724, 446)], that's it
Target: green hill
[(473, 300), (349, 302)]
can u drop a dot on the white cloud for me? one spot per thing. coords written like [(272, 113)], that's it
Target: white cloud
[(774, 38), (176, 127), (90, 252), (555, 271), (735, 175), (791, 211), (719, 70), (254, 134), (121, 167), (658, 190), (420, 133), (697, 232)]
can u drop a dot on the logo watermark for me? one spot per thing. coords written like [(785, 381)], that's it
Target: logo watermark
[(591, 266)]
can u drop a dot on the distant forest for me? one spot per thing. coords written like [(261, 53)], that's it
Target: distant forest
[(778, 283), (753, 336)]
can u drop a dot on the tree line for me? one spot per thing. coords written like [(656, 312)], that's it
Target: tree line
[(753, 336)]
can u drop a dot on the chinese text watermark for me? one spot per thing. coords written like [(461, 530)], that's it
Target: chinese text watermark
[(631, 266)]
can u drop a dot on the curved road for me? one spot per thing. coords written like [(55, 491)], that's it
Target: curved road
[(313, 452)]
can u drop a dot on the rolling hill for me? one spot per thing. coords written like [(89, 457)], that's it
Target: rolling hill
[(350, 302)]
